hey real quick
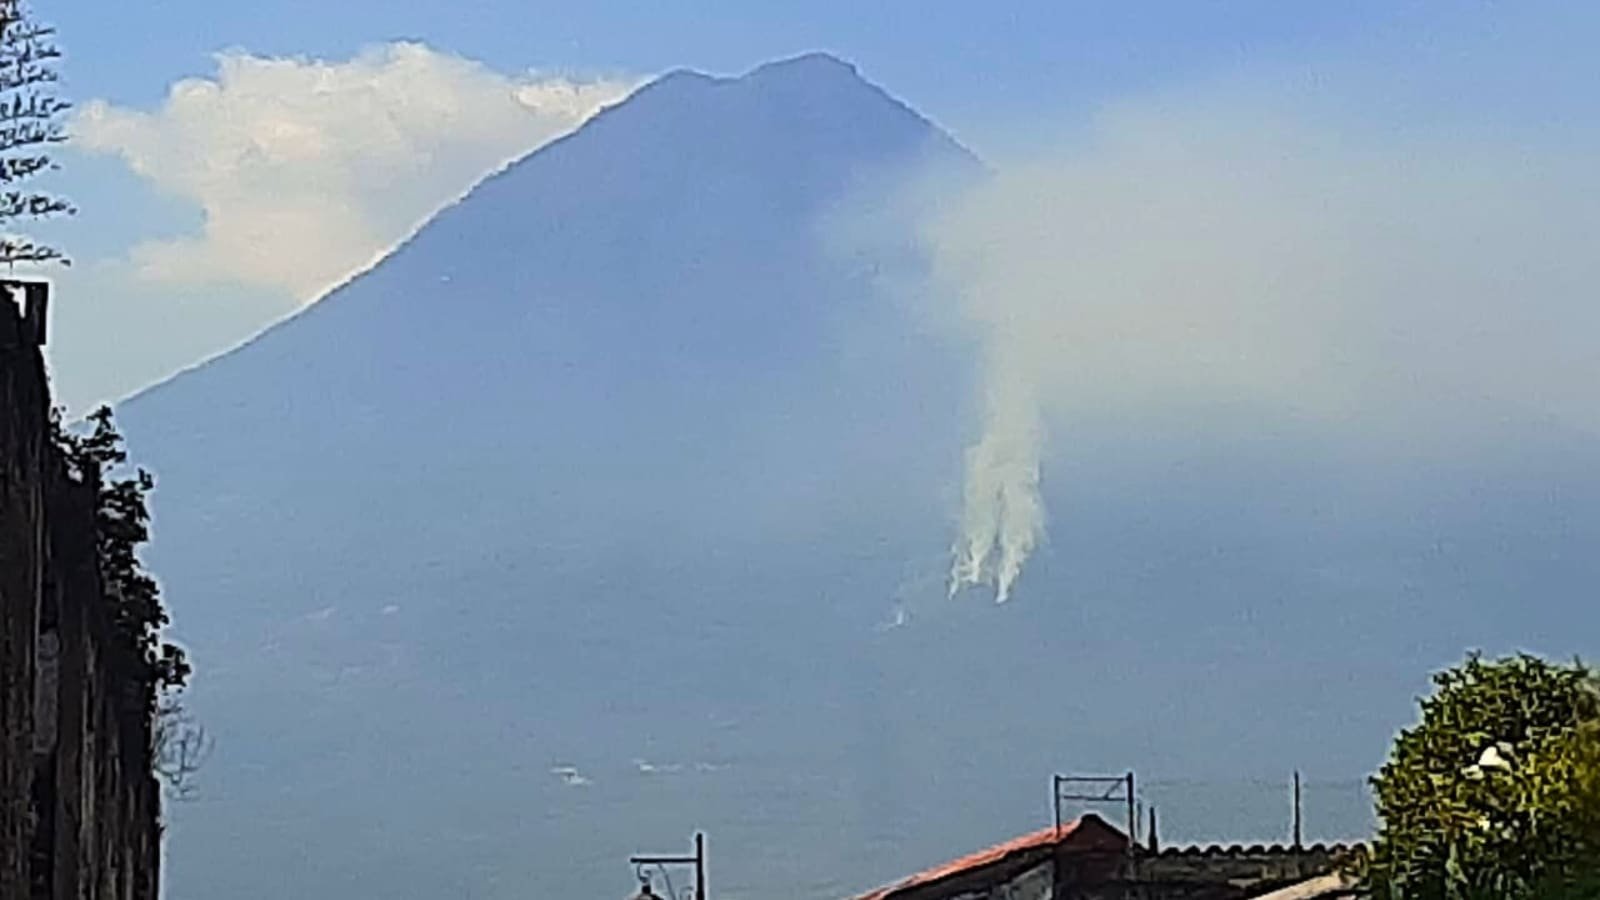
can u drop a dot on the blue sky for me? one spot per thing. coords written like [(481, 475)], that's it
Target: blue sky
[(974, 67), (956, 57), (1007, 79)]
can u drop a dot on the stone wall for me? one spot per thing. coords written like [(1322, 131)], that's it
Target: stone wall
[(79, 806)]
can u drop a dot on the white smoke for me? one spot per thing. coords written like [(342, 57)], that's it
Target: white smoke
[(1370, 282), (1002, 517)]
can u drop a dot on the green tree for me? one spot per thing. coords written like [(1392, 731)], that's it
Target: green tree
[(31, 121), (1496, 792), (122, 526), (160, 669)]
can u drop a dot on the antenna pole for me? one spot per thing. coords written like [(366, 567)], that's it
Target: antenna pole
[(699, 865), (1133, 814), (1055, 800), (1297, 814)]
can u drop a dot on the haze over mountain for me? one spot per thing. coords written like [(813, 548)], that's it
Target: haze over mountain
[(625, 462)]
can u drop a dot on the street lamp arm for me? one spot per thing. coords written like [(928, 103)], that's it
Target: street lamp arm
[(643, 864)]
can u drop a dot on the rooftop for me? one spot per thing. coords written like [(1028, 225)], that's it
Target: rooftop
[(1088, 832)]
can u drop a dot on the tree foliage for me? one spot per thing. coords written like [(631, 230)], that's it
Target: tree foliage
[(1496, 792), (122, 526), (31, 121)]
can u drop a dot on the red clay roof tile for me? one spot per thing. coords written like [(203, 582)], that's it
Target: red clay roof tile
[(1044, 837)]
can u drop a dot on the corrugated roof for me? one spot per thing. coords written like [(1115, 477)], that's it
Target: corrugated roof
[(1235, 850), (1044, 837)]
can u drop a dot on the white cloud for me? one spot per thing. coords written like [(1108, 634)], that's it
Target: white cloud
[(1229, 249), (307, 171)]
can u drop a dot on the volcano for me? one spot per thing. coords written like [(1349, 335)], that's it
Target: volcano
[(615, 503)]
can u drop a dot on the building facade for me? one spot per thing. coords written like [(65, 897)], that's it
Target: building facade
[(79, 803)]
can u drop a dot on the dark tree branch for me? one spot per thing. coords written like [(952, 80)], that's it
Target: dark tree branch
[(13, 251), (16, 204), (25, 132), (180, 749), (31, 119)]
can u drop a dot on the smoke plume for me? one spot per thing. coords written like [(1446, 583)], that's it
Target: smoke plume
[(1369, 280), (1002, 516)]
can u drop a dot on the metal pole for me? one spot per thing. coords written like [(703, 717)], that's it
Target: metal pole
[(699, 865), (1133, 820), (1055, 800), (1297, 819)]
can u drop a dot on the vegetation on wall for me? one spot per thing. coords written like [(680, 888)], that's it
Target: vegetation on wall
[(159, 669)]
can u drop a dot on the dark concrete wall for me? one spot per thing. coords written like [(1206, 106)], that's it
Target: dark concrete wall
[(23, 404), (79, 806)]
